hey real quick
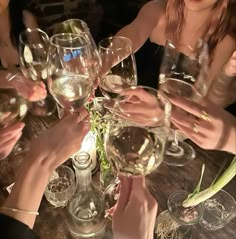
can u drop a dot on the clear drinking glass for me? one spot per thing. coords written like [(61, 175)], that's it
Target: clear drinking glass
[(118, 66), (136, 139), (183, 74), (218, 211), (61, 186), (33, 51), (72, 70), (184, 216)]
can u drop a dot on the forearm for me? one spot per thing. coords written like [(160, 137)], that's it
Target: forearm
[(132, 33), (27, 193), (222, 90), (231, 143)]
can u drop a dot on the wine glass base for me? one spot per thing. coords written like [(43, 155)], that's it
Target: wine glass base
[(44, 107), (179, 156)]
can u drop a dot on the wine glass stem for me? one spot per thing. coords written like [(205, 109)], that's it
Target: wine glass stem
[(175, 149)]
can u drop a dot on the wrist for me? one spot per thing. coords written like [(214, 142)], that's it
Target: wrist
[(231, 143)]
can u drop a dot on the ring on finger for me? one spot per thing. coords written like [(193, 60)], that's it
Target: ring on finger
[(196, 127), (205, 116)]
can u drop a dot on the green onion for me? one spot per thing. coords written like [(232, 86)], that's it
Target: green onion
[(198, 197)]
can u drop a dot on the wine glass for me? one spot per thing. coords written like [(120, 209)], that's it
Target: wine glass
[(33, 51), (118, 66), (78, 26), (13, 108), (72, 70), (135, 141), (184, 74), (136, 137)]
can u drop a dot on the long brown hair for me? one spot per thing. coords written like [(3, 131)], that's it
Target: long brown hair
[(218, 24)]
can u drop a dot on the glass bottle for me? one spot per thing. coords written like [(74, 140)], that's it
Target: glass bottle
[(86, 209)]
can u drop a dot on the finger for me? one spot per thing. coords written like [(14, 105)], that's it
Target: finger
[(13, 129), (125, 190), (187, 105), (83, 113), (196, 137), (6, 148)]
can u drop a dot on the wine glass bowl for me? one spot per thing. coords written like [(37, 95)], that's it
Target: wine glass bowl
[(135, 141), (71, 71), (33, 51), (183, 73), (184, 216), (118, 69)]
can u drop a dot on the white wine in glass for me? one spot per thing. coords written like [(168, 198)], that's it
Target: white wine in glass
[(135, 142), (72, 77)]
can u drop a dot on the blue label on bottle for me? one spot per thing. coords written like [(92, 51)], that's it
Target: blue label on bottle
[(71, 55)]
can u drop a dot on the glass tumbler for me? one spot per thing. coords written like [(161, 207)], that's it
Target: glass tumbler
[(218, 211), (61, 186)]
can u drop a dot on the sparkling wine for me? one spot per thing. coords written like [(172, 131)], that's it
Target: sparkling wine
[(13, 107), (134, 150), (181, 88), (71, 91)]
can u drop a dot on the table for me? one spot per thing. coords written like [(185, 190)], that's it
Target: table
[(50, 224)]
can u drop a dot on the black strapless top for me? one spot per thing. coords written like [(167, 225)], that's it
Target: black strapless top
[(148, 60)]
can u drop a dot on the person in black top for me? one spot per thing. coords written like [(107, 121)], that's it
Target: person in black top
[(47, 152)]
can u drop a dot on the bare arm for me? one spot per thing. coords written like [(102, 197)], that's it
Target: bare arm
[(47, 152), (29, 19), (221, 85), (141, 27)]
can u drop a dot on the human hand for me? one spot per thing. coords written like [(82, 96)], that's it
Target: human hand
[(139, 105), (28, 89), (135, 212), (58, 143), (8, 138), (208, 125), (230, 68)]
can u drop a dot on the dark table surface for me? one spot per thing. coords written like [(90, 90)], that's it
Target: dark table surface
[(50, 224)]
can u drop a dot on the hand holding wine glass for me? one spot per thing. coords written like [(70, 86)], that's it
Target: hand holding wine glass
[(33, 51), (183, 74), (135, 142), (214, 128)]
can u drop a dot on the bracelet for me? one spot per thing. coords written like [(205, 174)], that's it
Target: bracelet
[(19, 210)]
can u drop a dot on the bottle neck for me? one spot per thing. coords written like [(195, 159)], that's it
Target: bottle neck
[(84, 177)]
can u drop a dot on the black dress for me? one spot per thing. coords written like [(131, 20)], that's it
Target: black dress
[(10, 228), (148, 60)]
